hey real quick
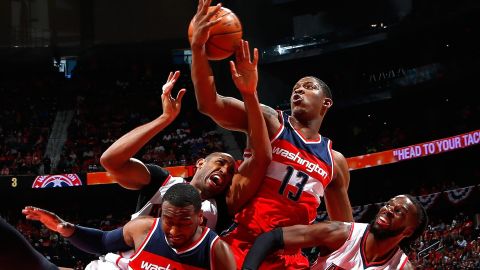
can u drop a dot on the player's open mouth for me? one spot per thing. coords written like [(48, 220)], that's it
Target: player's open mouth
[(215, 180), (296, 99), (383, 221)]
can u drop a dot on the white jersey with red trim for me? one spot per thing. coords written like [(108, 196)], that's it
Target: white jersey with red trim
[(294, 182), (351, 255)]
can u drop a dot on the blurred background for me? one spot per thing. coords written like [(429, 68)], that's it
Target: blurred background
[(76, 75)]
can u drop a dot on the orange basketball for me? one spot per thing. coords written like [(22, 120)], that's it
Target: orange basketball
[(224, 36)]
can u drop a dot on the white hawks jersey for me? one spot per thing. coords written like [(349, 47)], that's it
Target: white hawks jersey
[(351, 255)]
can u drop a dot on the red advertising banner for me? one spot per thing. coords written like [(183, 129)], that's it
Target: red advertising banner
[(97, 178), (359, 162), (415, 151)]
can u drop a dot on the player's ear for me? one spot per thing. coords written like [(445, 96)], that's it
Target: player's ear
[(201, 219), (327, 102), (200, 163)]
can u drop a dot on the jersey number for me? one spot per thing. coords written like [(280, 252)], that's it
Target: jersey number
[(299, 185)]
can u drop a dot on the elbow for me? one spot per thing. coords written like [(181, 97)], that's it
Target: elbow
[(106, 161), (203, 108)]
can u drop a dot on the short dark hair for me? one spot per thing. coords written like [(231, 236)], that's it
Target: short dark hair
[(422, 218), (326, 90), (182, 195)]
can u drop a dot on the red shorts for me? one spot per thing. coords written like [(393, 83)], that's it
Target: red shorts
[(241, 241)]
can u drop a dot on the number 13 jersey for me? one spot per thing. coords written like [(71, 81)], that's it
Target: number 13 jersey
[(294, 183)]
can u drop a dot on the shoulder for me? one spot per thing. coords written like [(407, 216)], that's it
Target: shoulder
[(272, 118), (157, 171), (408, 266), (222, 248), (340, 165), (338, 157), (137, 229), (140, 223)]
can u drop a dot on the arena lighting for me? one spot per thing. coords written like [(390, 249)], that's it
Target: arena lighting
[(284, 49)]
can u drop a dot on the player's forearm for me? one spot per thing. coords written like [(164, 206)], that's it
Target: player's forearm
[(98, 242), (257, 131), (263, 245), (203, 81), (120, 152)]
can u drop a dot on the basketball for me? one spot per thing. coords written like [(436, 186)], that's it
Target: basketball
[(224, 36)]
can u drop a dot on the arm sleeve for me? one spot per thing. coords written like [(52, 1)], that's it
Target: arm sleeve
[(263, 245), (158, 175), (98, 242)]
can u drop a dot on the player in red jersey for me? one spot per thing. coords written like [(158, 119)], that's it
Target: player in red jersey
[(304, 167)]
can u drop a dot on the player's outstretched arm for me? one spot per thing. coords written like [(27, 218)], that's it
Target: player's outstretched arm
[(50, 220), (227, 112), (251, 172), (118, 158), (328, 236)]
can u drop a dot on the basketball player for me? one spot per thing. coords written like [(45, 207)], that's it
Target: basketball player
[(176, 240), (377, 245), (214, 174), (304, 166), (223, 189)]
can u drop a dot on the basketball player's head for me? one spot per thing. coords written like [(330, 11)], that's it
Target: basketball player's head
[(181, 214), (402, 217), (311, 98), (214, 174)]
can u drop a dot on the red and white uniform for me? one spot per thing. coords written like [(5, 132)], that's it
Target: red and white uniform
[(351, 255), (290, 193)]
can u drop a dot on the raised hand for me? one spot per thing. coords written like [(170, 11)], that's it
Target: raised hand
[(50, 220), (201, 22), (171, 106), (244, 70)]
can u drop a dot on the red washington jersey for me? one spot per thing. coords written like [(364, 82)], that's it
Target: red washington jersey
[(294, 183)]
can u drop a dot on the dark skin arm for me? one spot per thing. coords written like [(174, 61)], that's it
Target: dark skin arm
[(336, 193), (327, 236), (118, 159), (227, 112), (248, 179), (223, 256), (136, 231)]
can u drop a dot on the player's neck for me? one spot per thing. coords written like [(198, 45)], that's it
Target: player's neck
[(198, 234), (378, 250), (309, 129)]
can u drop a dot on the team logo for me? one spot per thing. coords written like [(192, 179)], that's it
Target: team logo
[(57, 180)]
